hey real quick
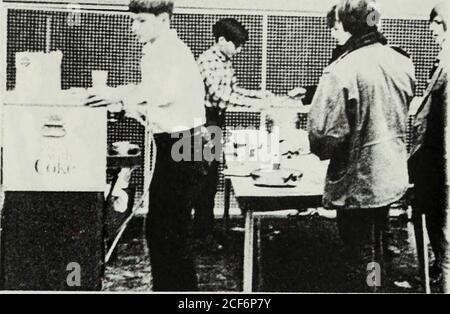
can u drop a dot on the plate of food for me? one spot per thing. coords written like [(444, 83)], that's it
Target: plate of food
[(280, 178)]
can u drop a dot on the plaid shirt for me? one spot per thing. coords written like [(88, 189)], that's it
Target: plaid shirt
[(220, 81)]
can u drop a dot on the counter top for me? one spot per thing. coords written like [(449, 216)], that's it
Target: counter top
[(70, 97)]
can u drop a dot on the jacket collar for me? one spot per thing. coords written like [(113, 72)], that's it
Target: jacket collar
[(358, 42)]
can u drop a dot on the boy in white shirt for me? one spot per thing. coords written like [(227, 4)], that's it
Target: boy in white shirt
[(170, 101)]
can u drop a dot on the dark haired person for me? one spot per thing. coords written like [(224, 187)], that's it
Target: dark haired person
[(358, 120), (337, 32), (341, 37), (222, 92), (169, 100), (427, 162)]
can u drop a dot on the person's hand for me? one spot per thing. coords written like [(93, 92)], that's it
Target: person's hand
[(263, 94), (95, 101), (115, 108), (297, 92), (258, 104)]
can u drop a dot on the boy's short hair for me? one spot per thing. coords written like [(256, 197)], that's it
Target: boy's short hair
[(155, 7), (441, 9), (231, 30), (355, 16), (331, 17)]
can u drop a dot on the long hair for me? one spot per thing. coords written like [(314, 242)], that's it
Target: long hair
[(441, 9), (358, 16), (331, 17)]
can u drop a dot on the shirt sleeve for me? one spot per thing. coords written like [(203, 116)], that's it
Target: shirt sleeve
[(240, 96), (328, 119), (156, 90), (213, 72)]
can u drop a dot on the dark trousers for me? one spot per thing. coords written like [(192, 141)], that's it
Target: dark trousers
[(171, 197), (427, 172), (433, 205), (205, 200), (364, 234)]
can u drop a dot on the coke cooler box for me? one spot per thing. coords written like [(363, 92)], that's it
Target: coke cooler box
[(54, 161)]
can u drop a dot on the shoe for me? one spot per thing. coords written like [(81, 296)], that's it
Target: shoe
[(435, 273), (207, 244), (211, 244)]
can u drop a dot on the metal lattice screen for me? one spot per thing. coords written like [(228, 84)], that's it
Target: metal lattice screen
[(415, 37), (298, 48), (196, 31)]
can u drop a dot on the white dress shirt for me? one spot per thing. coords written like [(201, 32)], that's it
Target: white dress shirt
[(171, 94)]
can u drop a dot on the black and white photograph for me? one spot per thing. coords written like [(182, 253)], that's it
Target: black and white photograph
[(214, 147)]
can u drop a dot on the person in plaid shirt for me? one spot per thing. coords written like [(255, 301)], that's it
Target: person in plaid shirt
[(222, 92)]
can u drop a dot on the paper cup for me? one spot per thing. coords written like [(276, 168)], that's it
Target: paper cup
[(121, 147), (99, 78)]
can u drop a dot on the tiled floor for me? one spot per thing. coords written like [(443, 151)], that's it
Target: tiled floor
[(297, 255)]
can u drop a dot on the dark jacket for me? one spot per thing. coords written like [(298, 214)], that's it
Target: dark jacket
[(335, 54), (427, 158), (358, 121)]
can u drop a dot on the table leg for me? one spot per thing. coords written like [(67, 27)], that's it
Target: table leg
[(376, 253), (226, 212), (248, 251), (426, 270), (260, 283)]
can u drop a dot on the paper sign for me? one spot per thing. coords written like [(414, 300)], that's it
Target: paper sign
[(52, 148)]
